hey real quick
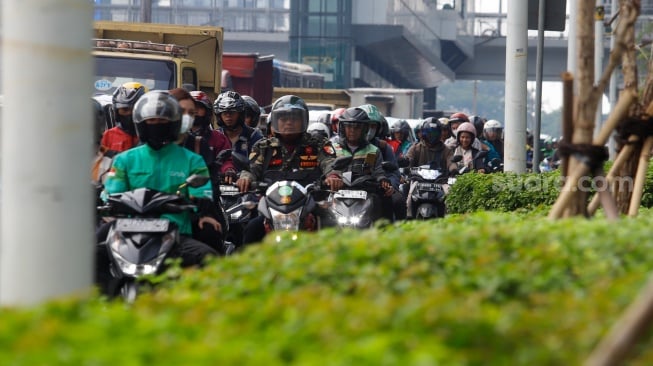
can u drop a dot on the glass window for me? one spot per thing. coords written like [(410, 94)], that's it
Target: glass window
[(189, 76), (111, 72)]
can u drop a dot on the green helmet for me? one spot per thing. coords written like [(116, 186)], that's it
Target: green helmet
[(375, 120)]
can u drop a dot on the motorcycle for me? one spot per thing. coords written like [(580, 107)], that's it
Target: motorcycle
[(428, 192), (239, 209), (356, 206), (288, 206), (140, 239)]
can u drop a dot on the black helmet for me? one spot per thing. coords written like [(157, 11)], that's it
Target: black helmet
[(431, 131), (252, 108), (229, 101), (354, 117), (286, 106), (478, 123), (384, 132), (401, 126), (127, 94), (157, 104)]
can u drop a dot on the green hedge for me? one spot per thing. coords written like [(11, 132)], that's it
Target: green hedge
[(503, 192), (510, 192), (480, 289)]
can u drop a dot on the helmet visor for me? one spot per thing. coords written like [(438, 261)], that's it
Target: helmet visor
[(289, 121)]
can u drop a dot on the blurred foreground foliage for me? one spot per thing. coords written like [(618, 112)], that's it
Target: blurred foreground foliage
[(482, 289)]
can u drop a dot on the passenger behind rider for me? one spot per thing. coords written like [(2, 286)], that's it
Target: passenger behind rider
[(229, 109), (455, 120), (123, 136), (289, 154), (160, 164), (252, 112), (205, 233), (446, 129), (367, 158), (395, 207), (493, 133), (335, 120), (216, 141), (431, 151), (401, 142)]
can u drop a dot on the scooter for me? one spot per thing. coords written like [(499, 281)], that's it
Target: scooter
[(239, 209), (140, 239), (356, 206), (288, 207), (428, 192)]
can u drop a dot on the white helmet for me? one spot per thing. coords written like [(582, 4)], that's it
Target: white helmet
[(493, 123), (318, 128)]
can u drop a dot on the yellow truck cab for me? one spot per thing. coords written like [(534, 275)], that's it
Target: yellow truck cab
[(160, 56)]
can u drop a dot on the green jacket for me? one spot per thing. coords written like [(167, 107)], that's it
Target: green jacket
[(163, 170)]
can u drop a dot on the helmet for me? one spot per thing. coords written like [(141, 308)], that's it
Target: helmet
[(127, 94), (335, 119), (202, 99), (354, 117), (431, 131), (157, 104), (319, 129), (252, 108), (100, 122), (374, 117), (458, 117), (288, 106), (384, 132), (324, 118), (444, 121), (478, 123), (401, 126), (493, 127), (229, 101), (466, 127)]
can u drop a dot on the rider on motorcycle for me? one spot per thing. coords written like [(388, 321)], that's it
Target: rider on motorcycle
[(289, 154), (367, 158), (430, 150), (160, 164)]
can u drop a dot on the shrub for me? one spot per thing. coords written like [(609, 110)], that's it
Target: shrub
[(480, 289), (503, 192)]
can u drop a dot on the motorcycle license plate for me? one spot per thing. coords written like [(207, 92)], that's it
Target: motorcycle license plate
[(228, 190), (430, 187), (343, 193), (142, 225)]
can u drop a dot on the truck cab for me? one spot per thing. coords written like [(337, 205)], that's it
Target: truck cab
[(159, 56)]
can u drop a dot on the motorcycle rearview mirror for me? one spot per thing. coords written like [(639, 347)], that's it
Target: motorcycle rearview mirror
[(342, 162), (223, 155), (197, 181), (389, 166), (240, 161), (456, 158), (403, 162)]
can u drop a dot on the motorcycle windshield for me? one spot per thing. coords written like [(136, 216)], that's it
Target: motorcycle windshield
[(286, 221)]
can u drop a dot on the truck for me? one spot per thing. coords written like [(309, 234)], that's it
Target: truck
[(400, 103), (249, 74), (159, 56)]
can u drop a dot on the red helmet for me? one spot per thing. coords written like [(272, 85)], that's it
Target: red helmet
[(458, 117), (202, 98), (335, 119)]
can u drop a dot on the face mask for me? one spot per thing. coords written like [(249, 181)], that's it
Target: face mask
[(160, 135), (186, 123), (126, 123)]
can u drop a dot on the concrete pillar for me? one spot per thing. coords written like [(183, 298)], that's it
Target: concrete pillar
[(46, 214), (516, 77)]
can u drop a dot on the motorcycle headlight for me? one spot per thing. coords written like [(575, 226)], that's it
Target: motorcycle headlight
[(349, 221), (137, 270), (236, 215), (283, 221)]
